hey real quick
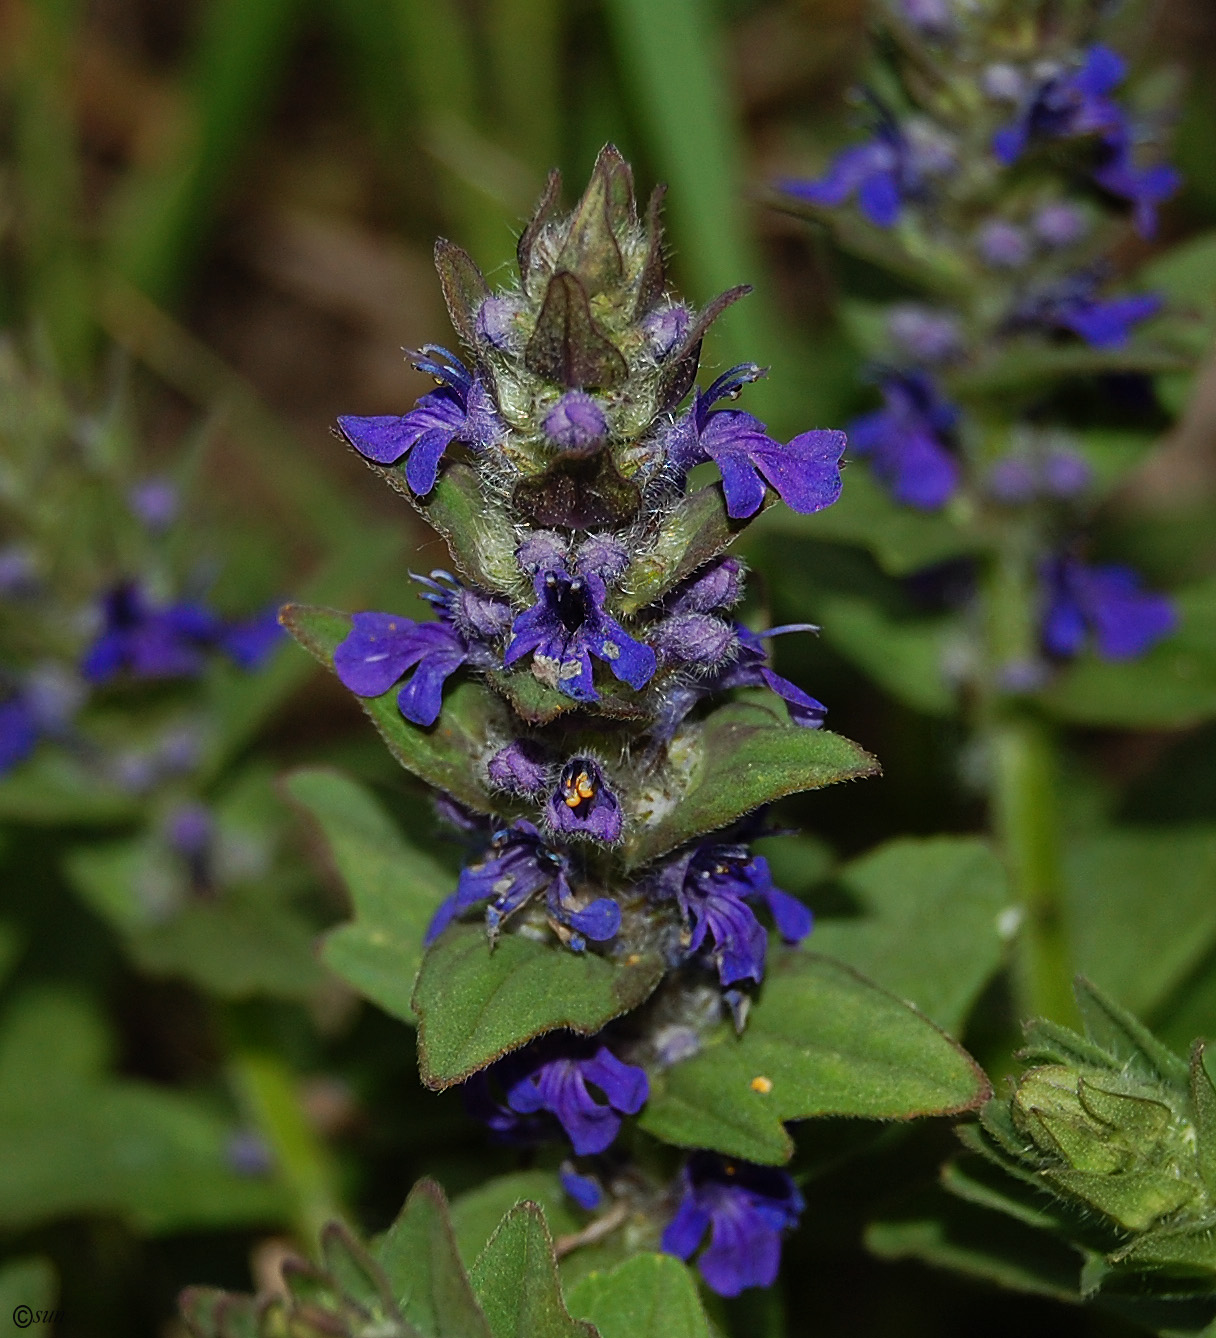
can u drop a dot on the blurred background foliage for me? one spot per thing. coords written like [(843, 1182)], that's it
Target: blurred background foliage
[(218, 215)]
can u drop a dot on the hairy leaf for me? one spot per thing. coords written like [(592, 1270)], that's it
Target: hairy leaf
[(821, 1040), (740, 757), (648, 1296), (394, 887), (475, 1003)]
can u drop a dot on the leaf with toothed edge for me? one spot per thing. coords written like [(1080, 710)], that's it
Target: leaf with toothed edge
[(742, 756), (442, 755), (821, 1040), (541, 705), (515, 1278), (476, 1002)]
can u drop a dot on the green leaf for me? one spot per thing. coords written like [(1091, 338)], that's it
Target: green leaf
[(250, 936), (930, 924), (515, 1278), (978, 1244), (78, 1141), (441, 755), (902, 539), (395, 889), (475, 1003), (821, 1040), (1173, 685), (1127, 1039), (1027, 365), (739, 757), (648, 1296), (696, 529), (53, 788), (476, 1213), (419, 1257), (1135, 942)]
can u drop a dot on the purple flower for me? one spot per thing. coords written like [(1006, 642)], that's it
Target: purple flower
[(516, 867), (462, 409), (712, 884), (560, 1077), (925, 335), (664, 328), (906, 441), (1059, 225), (893, 168), (252, 641), (149, 641), (191, 831), (155, 502), (569, 624), (1077, 103), (19, 732), (576, 423), (805, 473), (1067, 104), (1073, 304), (1107, 603), (18, 571), (750, 669), (583, 803), (583, 1189), (932, 17), (1002, 244), (381, 647), (745, 1209), (520, 769)]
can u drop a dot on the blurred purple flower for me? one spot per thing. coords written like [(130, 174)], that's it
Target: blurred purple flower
[(906, 441), (1074, 304), (1067, 104), (885, 173), (745, 1209), (149, 641), (1002, 244), (1107, 603), (155, 502), (923, 334)]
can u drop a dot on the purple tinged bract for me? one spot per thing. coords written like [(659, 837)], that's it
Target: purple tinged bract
[(745, 1209), (1107, 603), (906, 441), (460, 409)]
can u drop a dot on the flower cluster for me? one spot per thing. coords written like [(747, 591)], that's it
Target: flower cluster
[(997, 181), (594, 631)]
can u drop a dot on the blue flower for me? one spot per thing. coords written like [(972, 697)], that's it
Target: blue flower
[(556, 1077), (1107, 603), (569, 624), (745, 1209), (1077, 104), (1067, 104), (461, 409), (250, 642), (19, 732), (906, 441), (149, 641), (712, 884), (895, 167), (805, 473), (381, 647), (750, 669), (583, 1189), (1074, 304), (583, 803), (517, 866)]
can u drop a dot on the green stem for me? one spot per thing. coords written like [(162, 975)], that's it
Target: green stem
[(268, 1090), (1024, 796)]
